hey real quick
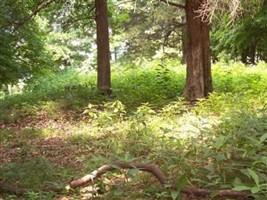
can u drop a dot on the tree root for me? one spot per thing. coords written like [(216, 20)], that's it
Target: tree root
[(155, 171)]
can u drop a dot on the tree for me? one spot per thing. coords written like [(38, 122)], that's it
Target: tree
[(103, 51), (150, 29), (197, 47), (245, 39), (22, 52), (82, 12), (198, 57), (63, 17)]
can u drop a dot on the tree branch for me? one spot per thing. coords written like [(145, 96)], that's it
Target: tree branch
[(181, 6), (105, 168), (89, 178), (41, 6)]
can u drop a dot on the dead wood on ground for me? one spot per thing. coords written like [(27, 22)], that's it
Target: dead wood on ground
[(154, 170)]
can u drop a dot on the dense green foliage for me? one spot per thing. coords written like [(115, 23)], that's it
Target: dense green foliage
[(219, 143), (244, 39), (21, 47), (147, 29)]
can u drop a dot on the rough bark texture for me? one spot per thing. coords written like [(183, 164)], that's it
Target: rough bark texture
[(198, 58), (103, 50)]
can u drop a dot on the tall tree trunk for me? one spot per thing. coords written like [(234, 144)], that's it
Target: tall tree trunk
[(198, 57), (103, 50)]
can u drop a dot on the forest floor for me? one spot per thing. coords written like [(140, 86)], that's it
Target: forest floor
[(59, 148), (58, 130), (24, 143)]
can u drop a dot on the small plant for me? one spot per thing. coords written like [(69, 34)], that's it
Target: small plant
[(258, 188), (107, 113)]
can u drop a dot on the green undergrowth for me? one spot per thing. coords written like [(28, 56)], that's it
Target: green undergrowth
[(218, 144)]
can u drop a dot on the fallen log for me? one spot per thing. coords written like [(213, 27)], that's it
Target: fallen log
[(154, 170)]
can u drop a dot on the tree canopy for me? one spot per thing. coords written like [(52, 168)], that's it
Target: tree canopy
[(22, 48)]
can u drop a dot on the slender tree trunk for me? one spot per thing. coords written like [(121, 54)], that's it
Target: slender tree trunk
[(198, 57), (103, 50), (252, 53)]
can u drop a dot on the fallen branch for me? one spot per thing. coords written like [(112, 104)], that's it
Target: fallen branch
[(105, 168), (155, 171)]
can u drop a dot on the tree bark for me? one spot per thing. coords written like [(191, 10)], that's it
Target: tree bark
[(198, 56), (103, 50)]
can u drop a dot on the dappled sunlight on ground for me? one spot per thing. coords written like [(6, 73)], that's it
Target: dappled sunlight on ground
[(217, 143)]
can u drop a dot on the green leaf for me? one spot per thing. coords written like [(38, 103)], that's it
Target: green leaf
[(220, 141), (126, 157), (254, 176), (263, 138), (237, 181), (220, 157), (241, 188), (132, 172), (255, 190), (181, 182), (117, 192), (175, 194), (264, 160), (261, 160), (263, 186)]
